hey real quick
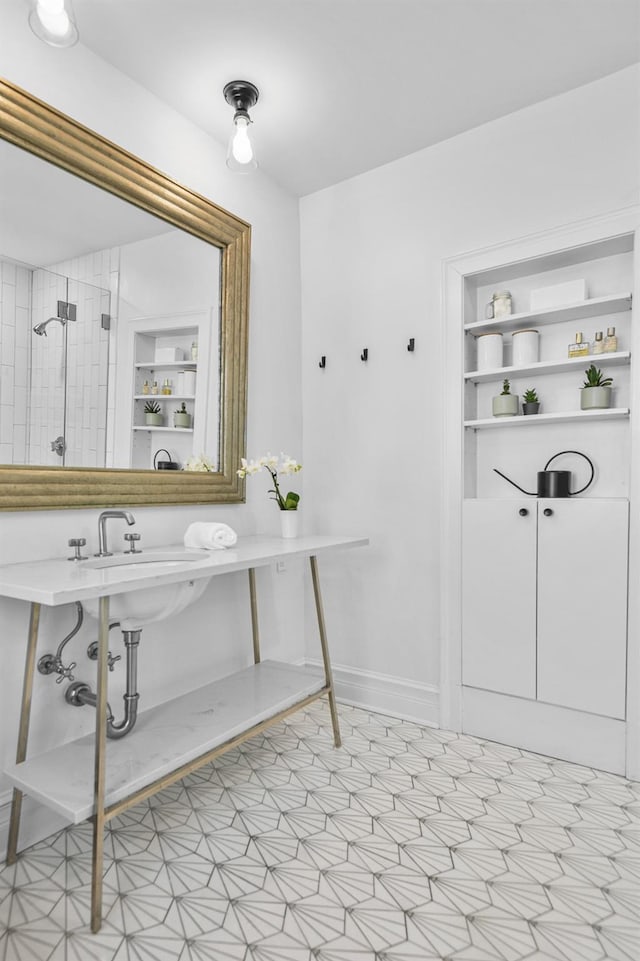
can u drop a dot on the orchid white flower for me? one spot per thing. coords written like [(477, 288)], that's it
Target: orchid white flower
[(289, 465), (286, 465), (202, 464), (248, 467)]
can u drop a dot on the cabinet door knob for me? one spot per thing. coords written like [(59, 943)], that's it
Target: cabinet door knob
[(547, 512), (523, 512)]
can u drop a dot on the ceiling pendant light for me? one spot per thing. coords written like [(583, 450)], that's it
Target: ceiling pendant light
[(53, 22), (241, 155)]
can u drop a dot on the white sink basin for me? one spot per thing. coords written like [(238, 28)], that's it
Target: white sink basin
[(137, 608)]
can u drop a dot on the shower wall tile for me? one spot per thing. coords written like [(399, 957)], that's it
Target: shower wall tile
[(32, 368), (8, 272), (14, 359)]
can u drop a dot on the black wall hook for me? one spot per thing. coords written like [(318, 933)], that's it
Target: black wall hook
[(411, 346), (365, 354), (323, 362)]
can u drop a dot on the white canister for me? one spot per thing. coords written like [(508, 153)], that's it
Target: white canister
[(187, 383), (526, 348), (489, 351)]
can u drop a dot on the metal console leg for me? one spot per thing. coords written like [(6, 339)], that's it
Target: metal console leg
[(23, 730), (325, 652), (254, 615), (99, 818)]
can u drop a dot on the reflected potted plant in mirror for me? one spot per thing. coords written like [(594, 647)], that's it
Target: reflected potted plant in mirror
[(287, 504), (153, 414), (506, 403), (530, 401), (182, 417), (595, 393)]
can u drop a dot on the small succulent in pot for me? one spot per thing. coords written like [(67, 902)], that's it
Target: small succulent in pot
[(595, 393), (530, 401), (182, 417), (506, 403), (595, 378), (153, 414)]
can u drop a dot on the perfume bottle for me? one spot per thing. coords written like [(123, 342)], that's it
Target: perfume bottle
[(597, 347), (579, 349), (154, 387), (194, 350), (610, 341), (166, 387), (146, 389)]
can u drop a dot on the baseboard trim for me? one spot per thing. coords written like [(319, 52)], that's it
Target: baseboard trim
[(560, 732), (383, 693)]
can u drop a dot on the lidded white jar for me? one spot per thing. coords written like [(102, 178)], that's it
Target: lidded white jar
[(187, 382), (526, 348), (489, 351)]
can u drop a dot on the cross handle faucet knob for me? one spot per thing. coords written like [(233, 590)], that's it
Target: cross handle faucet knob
[(77, 543), (132, 540)]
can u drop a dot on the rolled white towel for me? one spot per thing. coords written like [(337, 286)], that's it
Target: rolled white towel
[(211, 536)]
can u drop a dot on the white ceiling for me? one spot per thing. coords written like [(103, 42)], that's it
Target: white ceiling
[(348, 85)]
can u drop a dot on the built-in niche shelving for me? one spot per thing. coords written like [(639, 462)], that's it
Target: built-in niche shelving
[(162, 349)]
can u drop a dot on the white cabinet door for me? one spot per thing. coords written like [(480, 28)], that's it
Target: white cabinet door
[(582, 604), (499, 596)]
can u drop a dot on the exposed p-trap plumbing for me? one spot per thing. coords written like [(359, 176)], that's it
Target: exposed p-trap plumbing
[(79, 693)]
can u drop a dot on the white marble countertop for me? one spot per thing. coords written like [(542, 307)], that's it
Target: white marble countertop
[(60, 581)]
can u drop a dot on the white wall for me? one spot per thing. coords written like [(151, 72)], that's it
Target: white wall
[(372, 249), (86, 88)]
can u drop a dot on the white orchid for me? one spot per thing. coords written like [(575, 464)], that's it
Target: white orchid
[(248, 467), (202, 464), (289, 465), (285, 465)]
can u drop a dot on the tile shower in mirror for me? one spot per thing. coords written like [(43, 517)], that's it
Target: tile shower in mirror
[(54, 366)]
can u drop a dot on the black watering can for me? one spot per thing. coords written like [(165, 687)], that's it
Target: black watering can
[(164, 464), (554, 483)]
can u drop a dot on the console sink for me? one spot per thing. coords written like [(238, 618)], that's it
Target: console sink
[(137, 608)]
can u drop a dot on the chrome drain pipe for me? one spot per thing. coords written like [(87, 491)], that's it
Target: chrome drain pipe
[(79, 693)]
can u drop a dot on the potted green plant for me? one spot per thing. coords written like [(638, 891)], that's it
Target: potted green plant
[(153, 414), (506, 403), (182, 417), (530, 401), (595, 393)]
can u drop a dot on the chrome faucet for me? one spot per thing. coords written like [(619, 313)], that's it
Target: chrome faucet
[(102, 529)]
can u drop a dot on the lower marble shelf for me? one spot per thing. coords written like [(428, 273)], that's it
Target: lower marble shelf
[(164, 738)]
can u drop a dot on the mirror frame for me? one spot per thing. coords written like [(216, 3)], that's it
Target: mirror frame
[(44, 131)]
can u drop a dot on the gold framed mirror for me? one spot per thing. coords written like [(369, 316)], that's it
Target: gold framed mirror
[(41, 130)]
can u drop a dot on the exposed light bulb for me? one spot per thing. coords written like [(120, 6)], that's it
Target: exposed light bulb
[(241, 156), (241, 146), (52, 21)]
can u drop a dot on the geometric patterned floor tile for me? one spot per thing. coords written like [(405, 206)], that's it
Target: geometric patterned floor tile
[(406, 844)]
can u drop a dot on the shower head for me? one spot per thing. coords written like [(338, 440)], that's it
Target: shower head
[(40, 329)]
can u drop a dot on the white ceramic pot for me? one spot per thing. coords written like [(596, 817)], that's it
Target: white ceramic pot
[(526, 349), (505, 405), (290, 523), (595, 398), (489, 351)]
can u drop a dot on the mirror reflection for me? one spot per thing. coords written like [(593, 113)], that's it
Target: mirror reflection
[(109, 327)]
